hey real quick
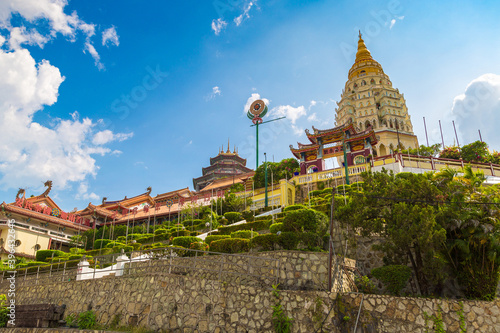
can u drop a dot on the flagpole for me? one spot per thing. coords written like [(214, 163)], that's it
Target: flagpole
[(426, 137), (441, 130)]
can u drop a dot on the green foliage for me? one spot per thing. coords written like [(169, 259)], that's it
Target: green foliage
[(233, 216), (394, 277), (281, 322), (437, 320), (461, 318), (201, 246), (305, 220), (255, 226), (293, 207), (424, 150), (210, 238), (230, 245), (274, 228), (185, 241), (476, 152), (42, 255), (280, 170), (87, 320), (4, 311), (266, 242), (160, 231), (71, 320), (100, 243), (231, 203), (364, 285), (247, 234), (315, 193), (247, 215)]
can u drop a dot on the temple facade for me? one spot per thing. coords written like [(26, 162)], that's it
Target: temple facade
[(343, 142), (225, 165), (369, 99), (38, 224)]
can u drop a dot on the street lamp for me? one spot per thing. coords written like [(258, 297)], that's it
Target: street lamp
[(265, 179)]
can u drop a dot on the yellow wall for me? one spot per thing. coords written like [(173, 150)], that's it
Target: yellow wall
[(28, 240)]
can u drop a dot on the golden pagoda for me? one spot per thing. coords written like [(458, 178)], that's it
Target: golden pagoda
[(369, 99)]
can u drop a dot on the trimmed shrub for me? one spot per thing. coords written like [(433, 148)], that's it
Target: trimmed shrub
[(343, 188), (75, 257), (316, 193), (394, 277), (274, 228), (210, 238), (120, 239), (266, 242), (294, 207), (201, 246), (99, 243), (42, 255), (264, 218), (98, 252), (307, 220), (247, 215), (113, 244), (289, 240), (230, 245), (247, 234), (256, 226), (233, 216), (160, 231), (327, 190), (179, 233), (185, 241)]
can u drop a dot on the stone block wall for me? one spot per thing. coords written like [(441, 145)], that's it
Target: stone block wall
[(172, 303)]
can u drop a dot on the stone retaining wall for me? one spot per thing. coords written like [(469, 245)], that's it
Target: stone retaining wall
[(183, 304)]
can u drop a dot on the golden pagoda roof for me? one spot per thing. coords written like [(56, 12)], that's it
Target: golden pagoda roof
[(364, 60)]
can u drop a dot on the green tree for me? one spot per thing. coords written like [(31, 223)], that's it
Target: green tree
[(400, 209), (424, 150), (280, 170)]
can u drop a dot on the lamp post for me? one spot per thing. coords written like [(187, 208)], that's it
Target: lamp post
[(265, 179)]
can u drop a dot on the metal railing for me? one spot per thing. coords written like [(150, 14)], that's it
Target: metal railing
[(234, 268)]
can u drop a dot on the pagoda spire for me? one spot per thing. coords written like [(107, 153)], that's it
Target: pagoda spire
[(363, 53), (228, 150)]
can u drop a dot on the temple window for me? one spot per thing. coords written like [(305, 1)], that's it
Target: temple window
[(363, 83), (368, 94), (372, 81)]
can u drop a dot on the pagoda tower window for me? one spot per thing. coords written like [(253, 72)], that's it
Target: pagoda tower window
[(372, 81), (363, 83)]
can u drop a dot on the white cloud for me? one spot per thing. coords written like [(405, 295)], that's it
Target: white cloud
[(291, 113), (19, 36), (238, 20), (109, 36), (106, 136), (312, 117), (215, 92), (218, 25), (83, 193), (142, 164), (252, 99), (29, 151), (313, 103), (91, 49), (478, 108), (47, 20), (394, 20)]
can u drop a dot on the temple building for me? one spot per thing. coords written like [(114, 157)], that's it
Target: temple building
[(369, 99), (341, 142), (39, 224), (225, 165)]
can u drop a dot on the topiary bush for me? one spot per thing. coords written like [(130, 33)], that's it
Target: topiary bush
[(100, 243), (266, 242), (247, 234), (201, 246), (307, 220), (247, 215), (233, 216), (394, 277), (42, 255), (256, 226), (230, 245), (294, 207), (210, 238), (185, 241), (160, 231), (274, 228)]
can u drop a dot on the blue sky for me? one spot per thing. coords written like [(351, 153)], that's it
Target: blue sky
[(106, 99)]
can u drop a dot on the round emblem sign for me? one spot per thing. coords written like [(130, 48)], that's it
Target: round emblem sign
[(257, 107)]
